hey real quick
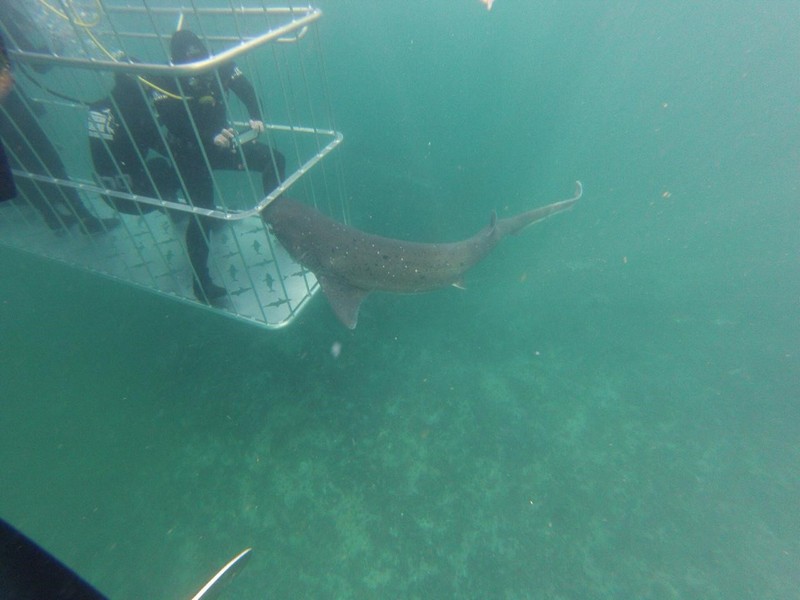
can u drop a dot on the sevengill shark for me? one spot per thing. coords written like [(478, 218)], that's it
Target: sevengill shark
[(349, 264)]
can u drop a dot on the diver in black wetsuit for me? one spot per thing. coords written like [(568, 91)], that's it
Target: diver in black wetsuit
[(30, 149), (122, 131), (7, 188), (203, 95)]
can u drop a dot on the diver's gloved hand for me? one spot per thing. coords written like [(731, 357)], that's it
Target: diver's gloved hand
[(257, 125), (224, 139)]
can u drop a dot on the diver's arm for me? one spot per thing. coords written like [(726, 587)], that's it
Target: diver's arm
[(245, 91)]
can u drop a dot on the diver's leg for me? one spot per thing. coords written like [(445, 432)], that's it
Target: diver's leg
[(16, 118), (198, 234), (32, 151), (8, 189), (33, 192), (258, 157), (269, 161), (165, 178), (139, 180), (200, 189)]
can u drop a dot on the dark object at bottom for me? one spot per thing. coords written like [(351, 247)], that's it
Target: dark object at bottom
[(28, 572), (7, 188), (96, 225)]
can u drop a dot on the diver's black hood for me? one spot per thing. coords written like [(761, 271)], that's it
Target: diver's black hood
[(185, 47)]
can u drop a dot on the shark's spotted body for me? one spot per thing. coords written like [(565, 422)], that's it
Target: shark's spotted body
[(349, 264)]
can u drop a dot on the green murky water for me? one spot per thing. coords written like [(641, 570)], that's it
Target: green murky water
[(611, 409)]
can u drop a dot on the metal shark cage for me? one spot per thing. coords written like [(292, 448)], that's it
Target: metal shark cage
[(81, 48)]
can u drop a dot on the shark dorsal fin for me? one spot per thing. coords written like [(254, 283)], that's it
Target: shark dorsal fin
[(345, 299)]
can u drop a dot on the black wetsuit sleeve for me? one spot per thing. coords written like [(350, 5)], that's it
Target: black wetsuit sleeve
[(245, 91)]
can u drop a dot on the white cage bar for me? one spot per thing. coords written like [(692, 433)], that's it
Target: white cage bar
[(66, 211)]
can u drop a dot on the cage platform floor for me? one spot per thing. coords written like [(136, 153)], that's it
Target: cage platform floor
[(265, 285)]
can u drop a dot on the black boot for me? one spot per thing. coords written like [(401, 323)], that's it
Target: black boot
[(78, 213), (207, 291), (58, 222), (91, 224)]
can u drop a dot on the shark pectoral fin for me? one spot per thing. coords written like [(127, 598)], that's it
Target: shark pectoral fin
[(345, 300)]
